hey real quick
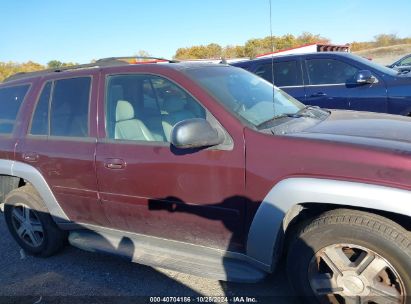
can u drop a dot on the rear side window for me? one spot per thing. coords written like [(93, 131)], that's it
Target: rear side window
[(11, 99), (69, 107), (62, 108), (286, 73), (40, 122), (330, 71)]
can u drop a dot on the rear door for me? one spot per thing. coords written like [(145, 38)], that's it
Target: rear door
[(60, 142), (11, 100), (287, 75)]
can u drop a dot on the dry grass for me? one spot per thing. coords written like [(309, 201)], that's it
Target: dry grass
[(387, 54)]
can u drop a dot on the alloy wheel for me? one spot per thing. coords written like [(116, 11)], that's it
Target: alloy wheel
[(347, 273), (27, 225)]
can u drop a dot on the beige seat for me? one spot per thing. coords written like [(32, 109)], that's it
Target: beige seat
[(127, 126), (173, 112)]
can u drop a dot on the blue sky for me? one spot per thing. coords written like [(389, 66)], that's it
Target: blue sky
[(82, 30)]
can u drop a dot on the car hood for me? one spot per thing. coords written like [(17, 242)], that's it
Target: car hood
[(382, 130)]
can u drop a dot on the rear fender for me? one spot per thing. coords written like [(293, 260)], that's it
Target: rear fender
[(34, 177)]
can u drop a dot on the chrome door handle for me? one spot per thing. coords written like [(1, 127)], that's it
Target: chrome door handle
[(114, 163), (318, 94), (30, 156)]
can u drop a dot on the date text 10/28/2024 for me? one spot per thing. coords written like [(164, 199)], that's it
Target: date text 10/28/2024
[(203, 299)]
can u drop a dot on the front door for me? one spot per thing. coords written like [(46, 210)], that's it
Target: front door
[(148, 186), (332, 84), (327, 82), (369, 97)]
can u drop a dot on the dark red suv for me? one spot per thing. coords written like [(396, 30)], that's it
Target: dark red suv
[(209, 170)]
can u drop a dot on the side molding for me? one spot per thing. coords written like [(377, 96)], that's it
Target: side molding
[(268, 221), (32, 175)]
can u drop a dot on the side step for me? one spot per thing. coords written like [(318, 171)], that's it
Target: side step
[(183, 257)]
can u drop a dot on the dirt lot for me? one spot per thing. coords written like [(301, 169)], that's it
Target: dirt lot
[(386, 55), (76, 276)]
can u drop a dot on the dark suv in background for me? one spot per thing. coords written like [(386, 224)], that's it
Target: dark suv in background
[(337, 80), (197, 168)]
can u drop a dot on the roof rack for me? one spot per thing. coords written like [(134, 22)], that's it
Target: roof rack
[(23, 75), (136, 59), (110, 61)]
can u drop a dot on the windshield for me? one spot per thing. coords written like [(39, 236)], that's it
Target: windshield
[(244, 94)]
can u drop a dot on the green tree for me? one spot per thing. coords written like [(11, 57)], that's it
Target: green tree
[(306, 38), (54, 64), (233, 51), (214, 51), (10, 68), (285, 42), (255, 47), (386, 40)]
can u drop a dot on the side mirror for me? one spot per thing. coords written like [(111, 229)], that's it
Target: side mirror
[(365, 76), (195, 133)]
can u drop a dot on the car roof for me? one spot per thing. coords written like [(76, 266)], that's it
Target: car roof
[(246, 63), (102, 65), (314, 54)]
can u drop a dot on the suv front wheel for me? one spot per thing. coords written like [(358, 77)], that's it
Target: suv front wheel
[(348, 256), (30, 224)]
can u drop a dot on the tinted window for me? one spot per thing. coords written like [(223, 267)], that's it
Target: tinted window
[(145, 107), (329, 71), (40, 122), (406, 61), (69, 107), (286, 73), (11, 99)]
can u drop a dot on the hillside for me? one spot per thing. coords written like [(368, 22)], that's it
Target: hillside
[(387, 54)]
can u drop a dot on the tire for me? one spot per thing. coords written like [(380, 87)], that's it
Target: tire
[(30, 224), (350, 256)]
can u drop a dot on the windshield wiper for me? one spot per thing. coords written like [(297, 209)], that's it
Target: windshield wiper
[(301, 113), (291, 115), (309, 107)]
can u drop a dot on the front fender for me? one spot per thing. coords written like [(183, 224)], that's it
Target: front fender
[(267, 223)]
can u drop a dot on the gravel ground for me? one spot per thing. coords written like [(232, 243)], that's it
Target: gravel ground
[(76, 276)]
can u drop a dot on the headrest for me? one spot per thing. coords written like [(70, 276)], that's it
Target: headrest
[(124, 110), (173, 104)]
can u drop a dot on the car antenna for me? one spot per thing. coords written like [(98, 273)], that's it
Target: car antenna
[(272, 56)]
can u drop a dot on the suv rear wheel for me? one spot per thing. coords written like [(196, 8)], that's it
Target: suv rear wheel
[(30, 224), (349, 256)]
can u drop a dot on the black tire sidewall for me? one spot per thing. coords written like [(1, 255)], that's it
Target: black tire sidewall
[(303, 249), (18, 198)]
